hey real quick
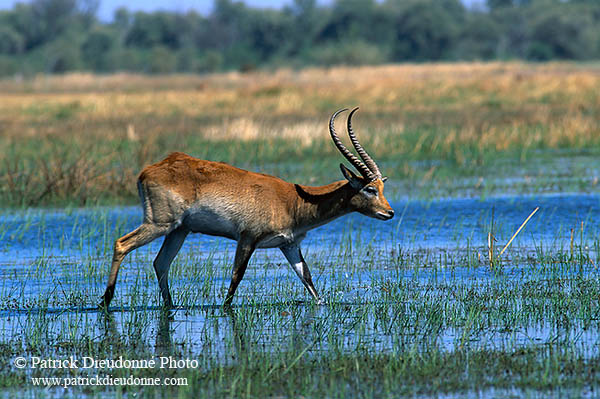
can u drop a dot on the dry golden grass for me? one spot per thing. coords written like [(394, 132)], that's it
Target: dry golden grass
[(483, 100), (425, 111)]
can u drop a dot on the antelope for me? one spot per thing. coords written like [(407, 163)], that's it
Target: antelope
[(182, 194)]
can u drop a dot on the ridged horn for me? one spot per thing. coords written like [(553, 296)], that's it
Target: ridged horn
[(357, 163), (360, 150)]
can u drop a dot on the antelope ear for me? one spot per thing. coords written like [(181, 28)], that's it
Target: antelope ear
[(354, 180)]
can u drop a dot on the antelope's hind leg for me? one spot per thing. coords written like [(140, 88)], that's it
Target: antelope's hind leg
[(243, 252), (293, 254), (124, 245), (171, 246)]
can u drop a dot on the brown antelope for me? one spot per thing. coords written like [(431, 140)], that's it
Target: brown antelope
[(182, 194)]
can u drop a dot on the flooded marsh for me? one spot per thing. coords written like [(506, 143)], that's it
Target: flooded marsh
[(413, 298), (416, 306)]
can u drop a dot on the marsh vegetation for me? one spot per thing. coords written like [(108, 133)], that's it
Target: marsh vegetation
[(438, 130), (414, 306)]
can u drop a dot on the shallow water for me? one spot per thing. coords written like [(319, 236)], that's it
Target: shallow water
[(43, 246), (443, 223), (409, 282)]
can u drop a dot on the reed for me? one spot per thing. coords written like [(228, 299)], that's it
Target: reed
[(81, 139), (405, 314)]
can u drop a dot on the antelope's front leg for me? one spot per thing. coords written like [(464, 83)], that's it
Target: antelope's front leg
[(294, 256)]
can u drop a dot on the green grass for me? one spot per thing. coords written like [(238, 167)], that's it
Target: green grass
[(75, 173), (401, 319), (435, 129), (398, 321)]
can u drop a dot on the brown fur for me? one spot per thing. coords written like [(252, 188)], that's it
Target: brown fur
[(182, 194)]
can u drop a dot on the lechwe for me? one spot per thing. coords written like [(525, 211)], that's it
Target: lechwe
[(182, 194)]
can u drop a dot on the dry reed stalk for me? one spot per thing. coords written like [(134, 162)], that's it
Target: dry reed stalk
[(491, 240), (518, 230), (572, 233)]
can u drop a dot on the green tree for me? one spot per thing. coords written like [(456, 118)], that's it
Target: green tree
[(122, 19), (153, 29), (11, 42), (479, 38), (514, 32), (62, 55), (43, 21), (268, 32), (162, 60), (25, 22), (493, 4), (307, 21), (64, 35), (424, 30), (349, 20), (96, 49), (563, 32)]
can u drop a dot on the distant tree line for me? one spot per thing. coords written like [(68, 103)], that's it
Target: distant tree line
[(55, 36)]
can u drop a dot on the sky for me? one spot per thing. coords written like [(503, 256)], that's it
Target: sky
[(107, 7), (105, 11)]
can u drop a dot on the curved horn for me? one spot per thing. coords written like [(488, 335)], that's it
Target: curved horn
[(361, 151), (357, 163)]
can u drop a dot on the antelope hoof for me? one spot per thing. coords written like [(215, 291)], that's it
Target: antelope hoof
[(103, 305)]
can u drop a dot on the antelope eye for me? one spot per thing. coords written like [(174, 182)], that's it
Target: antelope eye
[(371, 190)]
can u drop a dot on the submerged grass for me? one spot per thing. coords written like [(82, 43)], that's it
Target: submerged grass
[(413, 308), (82, 139), (403, 317)]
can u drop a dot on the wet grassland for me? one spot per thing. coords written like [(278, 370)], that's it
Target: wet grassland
[(413, 305), (437, 130)]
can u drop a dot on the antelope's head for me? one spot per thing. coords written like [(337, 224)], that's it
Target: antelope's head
[(368, 199)]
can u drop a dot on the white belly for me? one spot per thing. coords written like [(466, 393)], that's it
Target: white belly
[(217, 221), (211, 222)]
